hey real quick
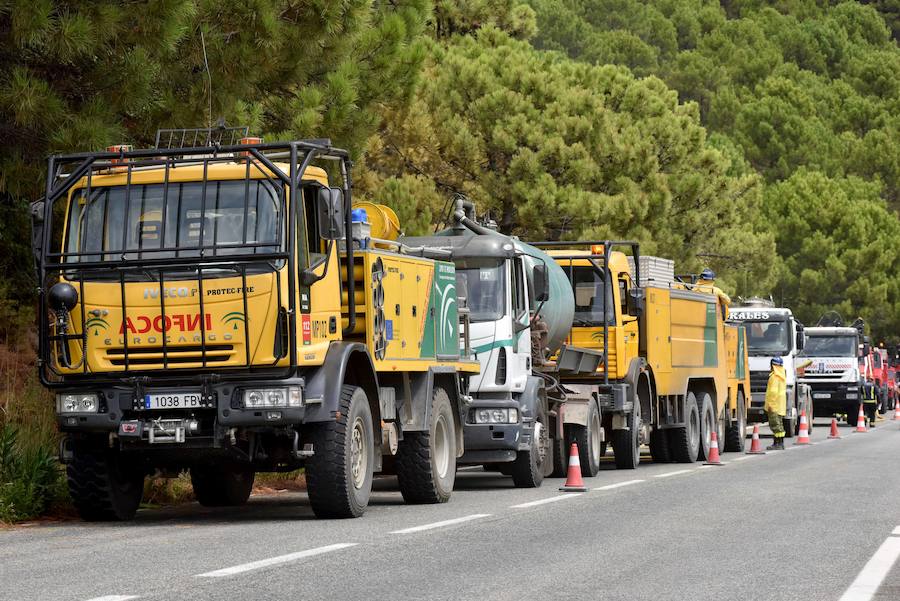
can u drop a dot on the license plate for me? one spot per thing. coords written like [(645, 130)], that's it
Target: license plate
[(822, 395), (177, 400)]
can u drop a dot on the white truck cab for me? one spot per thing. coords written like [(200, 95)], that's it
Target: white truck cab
[(834, 375), (773, 332)]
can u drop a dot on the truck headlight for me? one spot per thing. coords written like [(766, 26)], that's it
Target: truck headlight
[(77, 403), (494, 416), (285, 396)]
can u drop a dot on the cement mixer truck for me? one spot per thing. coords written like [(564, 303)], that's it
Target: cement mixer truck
[(520, 306)]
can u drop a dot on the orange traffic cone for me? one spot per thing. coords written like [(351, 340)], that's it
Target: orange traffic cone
[(834, 429), (574, 483), (803, 434), (755, 445), (861, 421), (713, 458), (896, 409)]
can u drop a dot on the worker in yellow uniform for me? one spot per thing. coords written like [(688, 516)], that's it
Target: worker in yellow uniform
[(707, 283), (776, 402)]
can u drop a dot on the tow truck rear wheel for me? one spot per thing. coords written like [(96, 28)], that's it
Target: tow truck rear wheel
[(627, 443), (426, 461), (707, 425), (339, 473), (528, 468), (104, 486), (684, 441), (222, 486), (736, 432)]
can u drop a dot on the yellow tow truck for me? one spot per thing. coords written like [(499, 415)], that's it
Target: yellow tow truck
[(668, 370), (205, 306)]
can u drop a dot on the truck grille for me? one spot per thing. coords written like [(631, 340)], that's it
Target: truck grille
[(758, 381), (173, 355)]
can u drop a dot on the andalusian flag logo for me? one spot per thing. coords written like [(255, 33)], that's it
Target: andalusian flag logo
[(96, 324), (234, 318)]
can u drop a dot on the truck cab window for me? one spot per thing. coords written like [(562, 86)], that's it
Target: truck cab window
[(518, 278)]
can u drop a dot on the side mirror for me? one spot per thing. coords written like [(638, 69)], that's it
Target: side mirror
[(637, 301), (801, 338), (330, 208), (541, 283), (37, 232)]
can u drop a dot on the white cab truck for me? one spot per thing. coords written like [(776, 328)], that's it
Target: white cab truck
[(773, 332), (503, 285), (834, 375)]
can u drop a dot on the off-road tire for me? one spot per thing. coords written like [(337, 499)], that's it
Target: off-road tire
[(588, 440), (418, 469), (626, 443), (659, 447), (684, 441), (528, 468), (335, 490), (736, 433), (222, 486), (103, 487)]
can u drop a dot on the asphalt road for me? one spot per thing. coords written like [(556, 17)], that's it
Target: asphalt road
[(802, 524)]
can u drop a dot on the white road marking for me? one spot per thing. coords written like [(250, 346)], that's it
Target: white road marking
[(547, 500), (675, 473), (474, 516), (114, 598), (743, 457), (618, 485), (274, 561), (896, 531), (869, 579)]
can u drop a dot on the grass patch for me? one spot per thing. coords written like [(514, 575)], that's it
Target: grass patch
[(32, 481)]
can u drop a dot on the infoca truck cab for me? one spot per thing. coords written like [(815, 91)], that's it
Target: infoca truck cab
[(834, 376), (519, 306), (204, 307), (773, 332), (670, 373)]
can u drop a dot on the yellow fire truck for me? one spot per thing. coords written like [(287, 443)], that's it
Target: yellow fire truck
[(669, 371), (205, 306)]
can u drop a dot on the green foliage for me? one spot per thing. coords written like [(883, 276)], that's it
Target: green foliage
[(78, 75), (845, 258), (794, 83), (553, 148), (28, 477)]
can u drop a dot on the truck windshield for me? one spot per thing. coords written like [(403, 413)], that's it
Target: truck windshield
[(587, 283), (877, 360), (231, 217), (830, 346), (484, 288), (768, 337)]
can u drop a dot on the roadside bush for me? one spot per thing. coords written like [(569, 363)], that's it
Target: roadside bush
[(30, 478)]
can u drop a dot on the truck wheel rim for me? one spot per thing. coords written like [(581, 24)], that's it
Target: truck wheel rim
[(595, 438), (358, 453), (707, 431), (441, 447), (543, 442), (695, 430)]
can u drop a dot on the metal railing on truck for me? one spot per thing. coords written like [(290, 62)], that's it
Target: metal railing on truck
[(62, 260), (607, 245)]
